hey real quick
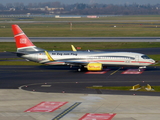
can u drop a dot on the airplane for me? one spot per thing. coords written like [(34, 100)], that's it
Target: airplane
[(90, 60)]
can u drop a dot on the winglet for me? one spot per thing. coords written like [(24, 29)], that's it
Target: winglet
[(48, 56), (73, 48)]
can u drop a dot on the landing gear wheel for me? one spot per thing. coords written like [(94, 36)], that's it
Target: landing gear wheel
[(79, 69)]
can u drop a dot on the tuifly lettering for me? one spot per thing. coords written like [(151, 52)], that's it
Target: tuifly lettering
[(61, 54), (92, 66)]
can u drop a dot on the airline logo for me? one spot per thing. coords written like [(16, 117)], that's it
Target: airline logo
[(23, 41), (92, 66)]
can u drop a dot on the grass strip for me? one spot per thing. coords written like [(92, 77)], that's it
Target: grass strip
[(19, 63), (125, 88), (86, 29)]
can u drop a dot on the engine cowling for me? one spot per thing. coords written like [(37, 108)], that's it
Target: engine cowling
[(94, 67)]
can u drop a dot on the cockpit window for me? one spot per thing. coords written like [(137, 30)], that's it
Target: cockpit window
[(145, 57)]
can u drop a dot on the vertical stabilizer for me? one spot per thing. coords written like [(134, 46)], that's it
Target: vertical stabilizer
[(23, 43), (20, 38)]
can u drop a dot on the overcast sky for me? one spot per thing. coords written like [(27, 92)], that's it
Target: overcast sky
[(86, 1)]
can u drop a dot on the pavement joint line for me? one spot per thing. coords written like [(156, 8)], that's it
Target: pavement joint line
[(98, 91), (66, 111)]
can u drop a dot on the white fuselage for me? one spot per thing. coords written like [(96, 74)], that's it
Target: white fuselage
[(84, 57)]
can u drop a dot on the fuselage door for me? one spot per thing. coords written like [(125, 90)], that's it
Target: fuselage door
[(40, 56), (137, 59)]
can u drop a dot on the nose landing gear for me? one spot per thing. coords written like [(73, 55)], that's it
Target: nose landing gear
[(141, 68)]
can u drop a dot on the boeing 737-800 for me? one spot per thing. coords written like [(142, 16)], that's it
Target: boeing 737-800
[(91, 60)]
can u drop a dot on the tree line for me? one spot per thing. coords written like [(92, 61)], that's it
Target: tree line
[(80, 9)]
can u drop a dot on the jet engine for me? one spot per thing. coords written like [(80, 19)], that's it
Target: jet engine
[(94, 67)]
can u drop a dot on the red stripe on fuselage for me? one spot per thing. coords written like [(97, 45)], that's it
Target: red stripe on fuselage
[(141, 62), (105, 61), (118, 61)]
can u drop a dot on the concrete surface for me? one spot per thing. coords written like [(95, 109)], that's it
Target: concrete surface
[(13, 103)]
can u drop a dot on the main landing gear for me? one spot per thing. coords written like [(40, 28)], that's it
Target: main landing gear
[(81, 68)]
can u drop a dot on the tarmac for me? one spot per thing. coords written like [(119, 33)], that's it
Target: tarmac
[(13, 103)]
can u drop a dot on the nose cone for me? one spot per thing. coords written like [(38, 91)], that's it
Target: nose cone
[(153, 61)]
